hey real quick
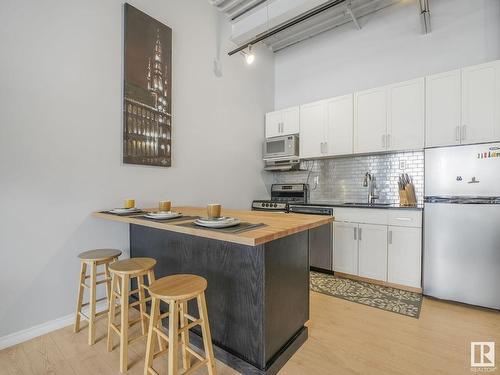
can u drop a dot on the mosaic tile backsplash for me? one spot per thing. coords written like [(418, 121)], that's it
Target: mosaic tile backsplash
[(341, 179)]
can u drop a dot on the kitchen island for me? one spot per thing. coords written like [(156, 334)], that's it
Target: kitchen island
[(258, 280)]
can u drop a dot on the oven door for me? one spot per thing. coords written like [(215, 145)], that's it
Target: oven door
[(280, 147)]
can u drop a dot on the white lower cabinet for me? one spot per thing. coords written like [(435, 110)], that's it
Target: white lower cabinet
[(372, 258), (384, 245), (404, 254), (345, 258)]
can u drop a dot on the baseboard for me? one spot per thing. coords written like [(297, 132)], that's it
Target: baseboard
[(42, 329)]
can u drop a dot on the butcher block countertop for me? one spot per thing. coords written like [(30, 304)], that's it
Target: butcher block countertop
[(278, 224)]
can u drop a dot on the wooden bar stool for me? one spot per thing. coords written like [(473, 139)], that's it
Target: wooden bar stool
[(121, 274), (177, 290), (93, 259)]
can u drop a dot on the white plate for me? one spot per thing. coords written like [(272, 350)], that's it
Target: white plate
[(222, 219), (163, 215), (124, 210), (224, 224)]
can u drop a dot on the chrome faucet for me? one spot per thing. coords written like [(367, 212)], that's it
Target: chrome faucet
[(369, 181)]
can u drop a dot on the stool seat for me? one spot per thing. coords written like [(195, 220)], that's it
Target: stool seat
[(178, 287), (132, 266), (99, 254)]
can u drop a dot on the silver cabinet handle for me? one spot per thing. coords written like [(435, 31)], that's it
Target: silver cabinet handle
[(457, 134), (325, 145), (355, 233), (388, 140), (360, 231), (390, 237), (383, 140), (464, 132)]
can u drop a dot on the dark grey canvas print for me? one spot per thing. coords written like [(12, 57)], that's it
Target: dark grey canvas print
[(147, 102)]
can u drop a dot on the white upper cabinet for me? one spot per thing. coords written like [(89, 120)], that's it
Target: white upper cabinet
[(481, 103), (406, 115), (339, 125), (284, 122), (370, 120), (312, 130), (442, 105)]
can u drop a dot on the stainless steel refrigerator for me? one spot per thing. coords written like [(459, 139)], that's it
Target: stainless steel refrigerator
[(462, 224)]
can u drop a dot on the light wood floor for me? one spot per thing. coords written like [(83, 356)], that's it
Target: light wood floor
[(344, 338)]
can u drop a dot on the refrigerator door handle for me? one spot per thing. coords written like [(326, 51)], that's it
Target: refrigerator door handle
[(464, 132), (355, 234), (390, 237), (457, 133)]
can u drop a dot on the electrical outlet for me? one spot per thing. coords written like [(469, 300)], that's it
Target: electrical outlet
[(402, 165)]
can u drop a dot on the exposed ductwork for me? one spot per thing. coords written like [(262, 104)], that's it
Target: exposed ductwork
[(283, 23), (235, 8)]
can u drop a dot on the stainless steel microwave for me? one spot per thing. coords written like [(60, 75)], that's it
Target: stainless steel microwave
[(281, 147)]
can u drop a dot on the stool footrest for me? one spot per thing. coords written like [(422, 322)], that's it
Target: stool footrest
[(191, 325), (157, 354), (131, 341), (152, 371), (97, 300), (191, 351), (190, 317), (162, 334), (97, 274), (195, 367), (140, 301), (103, 281)]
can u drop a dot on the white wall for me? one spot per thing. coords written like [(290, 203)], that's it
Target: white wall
[(60, 138), (389, 48)]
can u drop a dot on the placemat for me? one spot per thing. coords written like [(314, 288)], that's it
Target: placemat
[(124, 214), (182, 218), (241, 227)]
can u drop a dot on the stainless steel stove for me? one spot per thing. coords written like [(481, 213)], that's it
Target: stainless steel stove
[(281, 196)]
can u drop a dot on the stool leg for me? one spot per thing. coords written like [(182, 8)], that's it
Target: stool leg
[(124, 324), (79, 300), (186, 363), (173, 336), (207, 337), (151, 279), (92, 302), (150, 346), (108, 283), (112, 310), (142, 306)]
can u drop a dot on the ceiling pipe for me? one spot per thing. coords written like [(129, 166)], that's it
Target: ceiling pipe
[(285, 26), (425, 16), (353, 17)]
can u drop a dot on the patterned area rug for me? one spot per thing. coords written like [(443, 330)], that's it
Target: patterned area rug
[(381, 297)]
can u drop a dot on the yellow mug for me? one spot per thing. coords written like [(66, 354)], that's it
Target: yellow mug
[(213, 210), (129, 203), (165, 206)]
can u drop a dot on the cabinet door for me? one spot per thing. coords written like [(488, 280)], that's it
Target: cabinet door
[(442, 108), (481, 103), (405, 126), (370, 120), (339, 125), (345, 258), (373, 251), (404, 256), (312, 130), (290, 121), (273, 124)]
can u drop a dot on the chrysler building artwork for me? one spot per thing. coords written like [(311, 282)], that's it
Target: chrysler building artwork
[(147, 119)]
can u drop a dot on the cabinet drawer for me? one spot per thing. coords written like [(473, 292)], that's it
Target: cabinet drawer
[(405, 218), (361, 215)]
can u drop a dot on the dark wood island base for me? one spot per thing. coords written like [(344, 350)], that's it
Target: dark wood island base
[(257, 296)]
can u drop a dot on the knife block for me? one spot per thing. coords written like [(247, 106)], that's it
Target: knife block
[(407, 196)]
